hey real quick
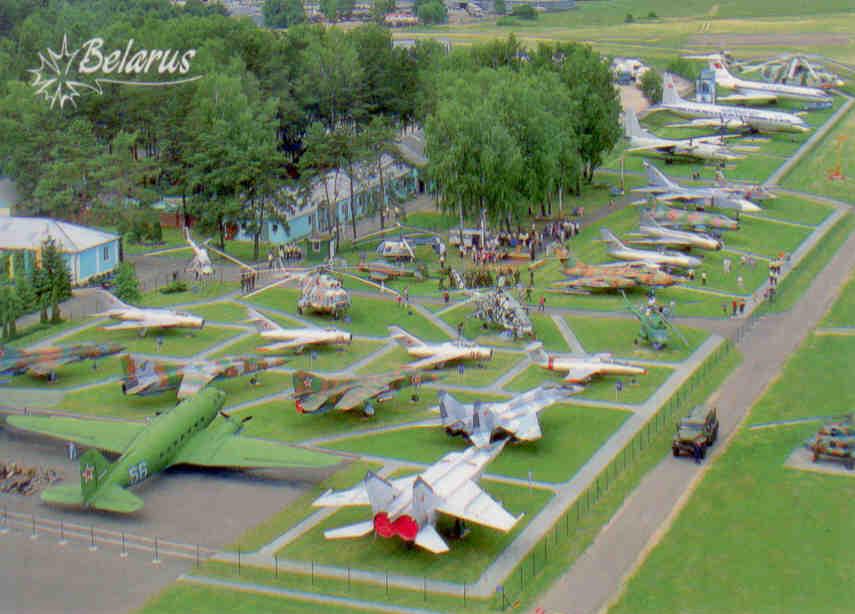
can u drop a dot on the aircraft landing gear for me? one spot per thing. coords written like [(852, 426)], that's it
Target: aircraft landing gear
[(368, 410)]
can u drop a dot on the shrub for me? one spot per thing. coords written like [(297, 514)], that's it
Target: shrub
[(524, 11), (174, 287)]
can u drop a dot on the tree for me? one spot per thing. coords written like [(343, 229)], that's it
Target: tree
[(500, 7), (127, 284), (323, 162), (42, 290), (283, 13), (381, 8), (378, 140), (524, 11), (651, 85), (432, 12), (58, 277)]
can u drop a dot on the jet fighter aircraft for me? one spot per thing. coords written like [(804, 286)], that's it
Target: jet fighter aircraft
[(614, 276), (144, 318), (644, 142), (751, 192), (438, 354), (295, 338), (517, 419), (316, 393), (383, 271), (44, 361), (665, 189), (581, 368), (188, 434), (201, 263), (725, 116), (620, 251), (409, 507), (670, 216), (651, 232), (144, 377)]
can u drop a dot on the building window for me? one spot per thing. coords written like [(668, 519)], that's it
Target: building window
[(106, 253), (275, 227), (316, 245)]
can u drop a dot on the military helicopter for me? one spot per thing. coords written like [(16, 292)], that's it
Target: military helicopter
[(322, 292), (656, 327)]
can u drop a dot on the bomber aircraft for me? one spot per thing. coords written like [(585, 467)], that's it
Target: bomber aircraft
[(620, 251), (316, 394), (410, 507), (725, 116), (438, 354), (44, 361), (188, 434), (145, 318), (145, 377), (295, 338), (581, 368), (516, 419), (643, 142)]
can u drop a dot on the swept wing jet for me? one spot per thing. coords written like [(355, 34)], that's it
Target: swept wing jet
[(727, 116), (315, 393), (581, 368), (644, 142), (44, 361), (383, 271), (295, 338), (145, 318), (201, 263), (761, 91), (615, 276), (620, 251), (188, 434), (516, 419), (145, 377), (751, 192), (409, 507), (438, 354), (662, 188), (650, 232), (671, 216)]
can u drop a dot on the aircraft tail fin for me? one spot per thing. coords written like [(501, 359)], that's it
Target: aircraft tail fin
[(403, 337), (655, 177), (631, 126), (135, 367), (483, 423), (380, 492), (537, 355), (722, 74), (609, 237), (452, 410), (114, 498), (64, 494), (669, 90), (262, 323), (425, 499), (93, 469), (305, 382)]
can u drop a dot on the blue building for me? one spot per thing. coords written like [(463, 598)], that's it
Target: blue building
[(88, 252)]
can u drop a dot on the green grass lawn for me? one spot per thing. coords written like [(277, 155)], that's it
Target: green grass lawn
[(195, 292), (766, 238), (617, 336), (38, 332), (368, 315), (571, 434), (465, 562), (70, 375), (224, 311), (176, 341), (474, 374), (842, 313), (793, 209), (600, 389), (779, 539), (172, 237), (547, 333), (717, 279)]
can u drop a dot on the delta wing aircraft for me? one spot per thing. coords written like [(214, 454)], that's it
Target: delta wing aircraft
[(295, 338), (650, 232), (316, 394), (438, 354), (145, 318), (44, 361), (145, 377), (670, 216), (644, 142), (582, 368), (665, 189), (516, 419), (188, 434), (727, 116), (620, 251), (201, 263), (761, 91), (409, 507)]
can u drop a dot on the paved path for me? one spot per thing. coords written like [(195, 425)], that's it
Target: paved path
[(568, 334), (622, 545)]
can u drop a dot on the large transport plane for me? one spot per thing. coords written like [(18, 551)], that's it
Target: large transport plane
[(758, 90), (644, 142)]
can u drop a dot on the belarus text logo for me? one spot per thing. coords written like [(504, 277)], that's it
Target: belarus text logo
[(63, 75)]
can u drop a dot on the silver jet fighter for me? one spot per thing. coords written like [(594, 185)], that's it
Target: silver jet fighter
[(438, 354), (582, 368), (750, 192), (295, 338), (662, 188), (651, 232), (642, 141), (727, 116), (409, 507), (201, 263), (761, 91), (145, 318), (516, 419), (620, 251)]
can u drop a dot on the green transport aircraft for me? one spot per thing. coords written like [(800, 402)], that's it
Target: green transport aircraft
[(189, 434)]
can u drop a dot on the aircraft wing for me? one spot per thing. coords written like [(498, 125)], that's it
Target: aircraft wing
[(660, 242), (357, 495), (357, 395), (194, 379), (437, 359), (291, 344), (472, 504), (748, 95), (110, 435), (666, 148), (580, 374), (46, 367), (211, 448), (527, 427), (129, 325)]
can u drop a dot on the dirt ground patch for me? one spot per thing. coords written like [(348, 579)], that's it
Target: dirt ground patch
[(802, 459), (632, 98), (805, 39)]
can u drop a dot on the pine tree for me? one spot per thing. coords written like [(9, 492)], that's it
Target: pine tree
[(60, 277), (40, 282), (127, 284), (15, 309), (23, 284)]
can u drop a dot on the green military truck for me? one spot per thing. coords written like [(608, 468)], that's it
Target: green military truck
[(695, 433)]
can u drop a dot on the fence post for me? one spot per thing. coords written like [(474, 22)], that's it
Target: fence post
[(276, 565), (313, 573), (156, 559), (92, 545), (124, 553), (62, 540), (238, 560), (5, 528), (34, 535), (197, 555)]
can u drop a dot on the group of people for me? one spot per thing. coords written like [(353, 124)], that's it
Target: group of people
[(247, 280), (280, 254)]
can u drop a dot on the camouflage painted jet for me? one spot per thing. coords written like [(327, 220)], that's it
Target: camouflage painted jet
[(201, 263), (516, 419), (409, 507), (144, 318), (382, 271), (44, 361), (651, 232), (582, 368), (295, 338), (585, 278), (316, 394), (670, 216), (188, 434), (145, 377), (661, 258), (438, 354)]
